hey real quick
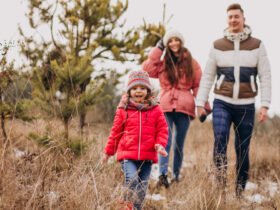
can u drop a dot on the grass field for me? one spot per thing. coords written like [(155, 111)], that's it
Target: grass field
[(36, 177)]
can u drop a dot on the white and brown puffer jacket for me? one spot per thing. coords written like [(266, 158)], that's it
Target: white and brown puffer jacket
[(235, 61)]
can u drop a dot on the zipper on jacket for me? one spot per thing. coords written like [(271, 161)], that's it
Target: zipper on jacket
[(236, 71), (139, 135), (219, 82), (252, 82)]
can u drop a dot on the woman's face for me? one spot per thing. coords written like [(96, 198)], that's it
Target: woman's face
[(138, 93), (174, 45)]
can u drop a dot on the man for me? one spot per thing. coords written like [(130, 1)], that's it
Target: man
[(236, 60)]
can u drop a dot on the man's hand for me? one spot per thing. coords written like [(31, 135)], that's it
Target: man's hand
[(262, 114), (200, 111), (202, 114)]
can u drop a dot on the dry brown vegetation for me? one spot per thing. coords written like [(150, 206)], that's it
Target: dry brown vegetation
[(35, 177)]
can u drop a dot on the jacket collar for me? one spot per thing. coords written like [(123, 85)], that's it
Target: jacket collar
[(240, 36), (129, 103)]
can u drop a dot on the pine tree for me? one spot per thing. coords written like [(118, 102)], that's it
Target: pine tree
[(11, 105), (82, 34)]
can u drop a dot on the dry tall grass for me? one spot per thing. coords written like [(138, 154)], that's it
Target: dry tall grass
[(32, 177)]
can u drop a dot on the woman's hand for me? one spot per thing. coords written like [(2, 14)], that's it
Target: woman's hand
[(160, 45), (202, 114)]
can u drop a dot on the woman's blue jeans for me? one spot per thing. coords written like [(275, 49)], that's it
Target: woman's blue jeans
[(242, 117), (181, 122), (137, 175)]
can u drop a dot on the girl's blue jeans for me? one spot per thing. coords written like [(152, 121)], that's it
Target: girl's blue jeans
[(137, 175), (242, 117), (181, 122)]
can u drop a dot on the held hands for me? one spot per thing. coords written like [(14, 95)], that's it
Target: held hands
[(202, 114), (160, 149)]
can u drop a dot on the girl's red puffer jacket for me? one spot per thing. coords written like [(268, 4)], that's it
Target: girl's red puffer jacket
[(135, 133)]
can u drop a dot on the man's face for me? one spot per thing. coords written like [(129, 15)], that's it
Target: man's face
[(235, 21)]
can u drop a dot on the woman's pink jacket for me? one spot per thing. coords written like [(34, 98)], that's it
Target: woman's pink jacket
[(181, 96)]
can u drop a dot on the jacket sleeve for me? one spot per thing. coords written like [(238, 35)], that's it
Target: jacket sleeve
[(116, 134), (153, 64), (265, 77), (207, 80), (161, 129), (197, 77), (196, 82)]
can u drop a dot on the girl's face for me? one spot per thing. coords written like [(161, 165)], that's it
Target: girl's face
[(174, 45), (138, 93)]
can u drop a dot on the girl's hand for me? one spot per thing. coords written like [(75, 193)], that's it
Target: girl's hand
[(160, 149), (105, 158)]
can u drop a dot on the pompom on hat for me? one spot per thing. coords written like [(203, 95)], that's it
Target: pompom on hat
[(138, 77), (172, 33)]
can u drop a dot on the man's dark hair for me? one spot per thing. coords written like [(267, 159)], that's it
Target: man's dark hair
[(235, 6)]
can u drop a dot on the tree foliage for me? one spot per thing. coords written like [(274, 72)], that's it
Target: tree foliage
[(82, 35), (12, 104)]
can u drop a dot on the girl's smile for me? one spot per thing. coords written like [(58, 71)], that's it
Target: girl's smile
[(138, 93)]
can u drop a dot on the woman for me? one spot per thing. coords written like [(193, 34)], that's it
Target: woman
[(179, 75)]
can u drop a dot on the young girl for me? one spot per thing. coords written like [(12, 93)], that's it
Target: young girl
[(179, 75), (139, 131)]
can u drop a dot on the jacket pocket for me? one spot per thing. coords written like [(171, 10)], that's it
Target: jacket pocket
[(220, 81)]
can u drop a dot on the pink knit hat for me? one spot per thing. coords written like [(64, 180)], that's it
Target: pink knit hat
[(138, 78)]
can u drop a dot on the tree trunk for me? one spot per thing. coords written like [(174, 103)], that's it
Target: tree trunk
[(3, 126), (3, 120), (66, 127), (82, 123)]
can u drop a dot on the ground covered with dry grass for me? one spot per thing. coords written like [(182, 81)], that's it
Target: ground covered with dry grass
[(33, 176)]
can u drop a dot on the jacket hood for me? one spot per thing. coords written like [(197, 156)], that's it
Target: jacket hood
[(240, 36)]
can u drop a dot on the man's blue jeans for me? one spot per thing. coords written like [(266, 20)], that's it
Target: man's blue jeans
[(137, 175), (181, 122), (242, 117)]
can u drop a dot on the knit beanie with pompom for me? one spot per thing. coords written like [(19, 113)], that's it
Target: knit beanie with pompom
[(138, 77)]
